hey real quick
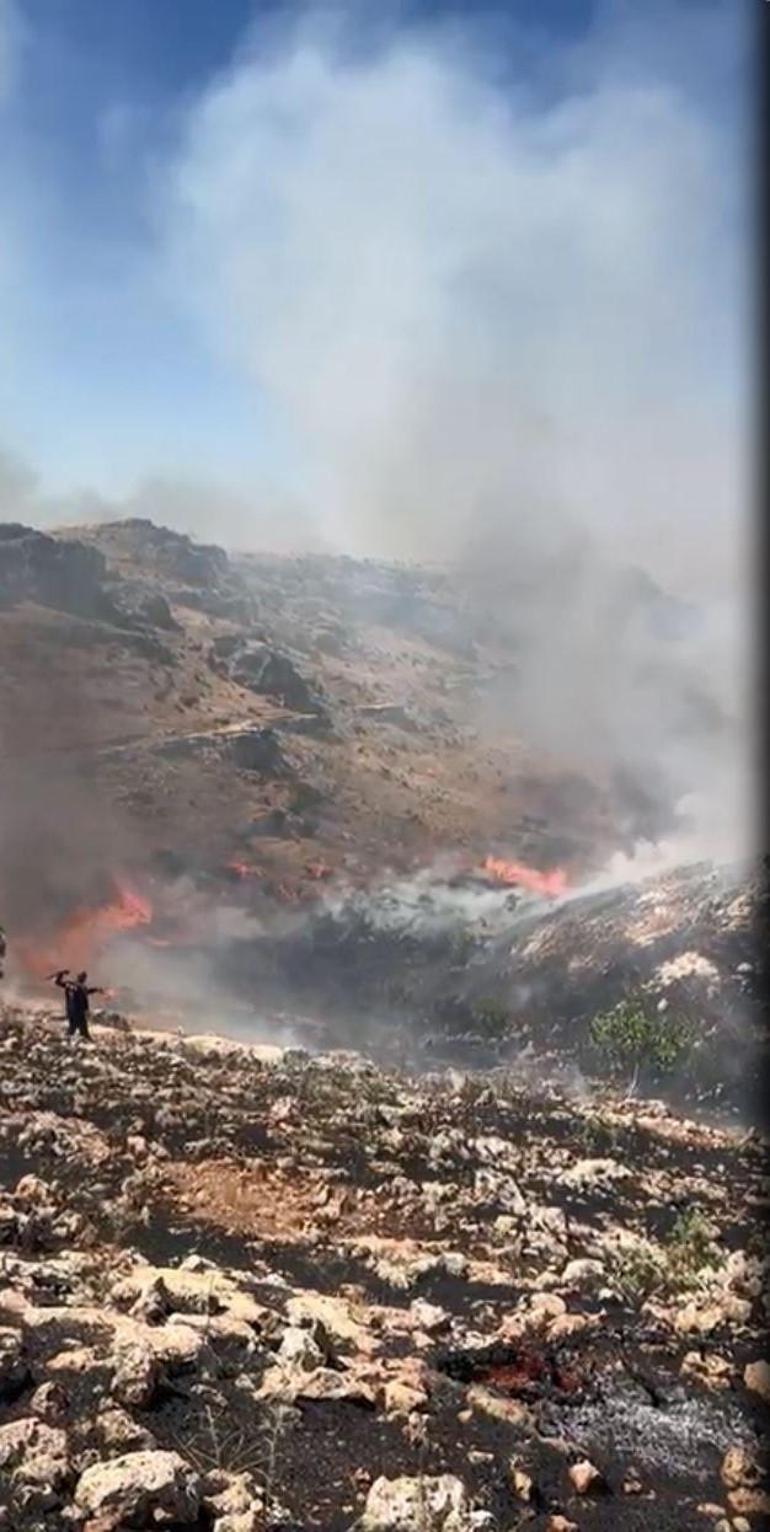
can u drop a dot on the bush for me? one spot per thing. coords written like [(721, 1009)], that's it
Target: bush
[(490, 1018), (636, 1272), (599, 1135), (631, 1037), (642, 1270), (690, 1246)]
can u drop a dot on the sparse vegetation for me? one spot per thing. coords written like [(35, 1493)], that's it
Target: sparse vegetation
[(637, 1271), (599, 1135), (279, 1420), (642, 1269), (462, 945), (690, 1246)]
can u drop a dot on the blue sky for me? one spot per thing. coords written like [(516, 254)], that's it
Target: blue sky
[(245, 246), (108, 377), (96, 89)]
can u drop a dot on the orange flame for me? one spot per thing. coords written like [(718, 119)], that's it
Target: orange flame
[(84, 933), (318, 870), (550, 883), (243, 869)]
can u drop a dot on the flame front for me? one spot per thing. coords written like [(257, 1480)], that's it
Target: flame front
[(83, 935), (241, 869), (515, 874)]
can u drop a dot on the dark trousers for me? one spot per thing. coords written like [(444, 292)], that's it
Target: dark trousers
[(77, 1026)]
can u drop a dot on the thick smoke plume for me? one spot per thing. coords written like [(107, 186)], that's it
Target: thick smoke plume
[(497, 316), (475, 301), (502, 321)]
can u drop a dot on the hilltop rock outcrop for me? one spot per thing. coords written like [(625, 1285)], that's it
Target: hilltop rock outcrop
[(66, 575)]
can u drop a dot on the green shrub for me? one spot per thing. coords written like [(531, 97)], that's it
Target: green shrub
[(599, 1135), (637, 1272), (631, 1036), (690, 1246), (490, 1018)]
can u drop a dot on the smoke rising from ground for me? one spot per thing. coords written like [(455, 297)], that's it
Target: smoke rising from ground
[(503, 322), (491, 295), (473, 301)]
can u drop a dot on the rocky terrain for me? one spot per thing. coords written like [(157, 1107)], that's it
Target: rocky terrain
[(270, 717), (302, 770), (503, 1266), (248, 1288)]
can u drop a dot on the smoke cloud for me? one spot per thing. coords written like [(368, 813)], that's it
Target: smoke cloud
[(490, 292), (503, 319), (514, 303)]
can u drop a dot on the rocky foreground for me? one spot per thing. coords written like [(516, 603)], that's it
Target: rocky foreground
[(247, 1289)]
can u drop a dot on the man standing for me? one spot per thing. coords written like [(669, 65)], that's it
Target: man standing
[(76, 1001)]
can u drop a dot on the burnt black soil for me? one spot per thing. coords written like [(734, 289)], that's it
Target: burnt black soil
[(165, 1241), (449, 995)]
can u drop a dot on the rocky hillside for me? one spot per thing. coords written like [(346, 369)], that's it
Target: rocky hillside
[(441, 968), (248, 1289), (242, 741), (163, 706), (251, 1289)]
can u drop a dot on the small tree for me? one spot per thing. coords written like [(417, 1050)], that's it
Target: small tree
[(630, 1036), (490, 1018)]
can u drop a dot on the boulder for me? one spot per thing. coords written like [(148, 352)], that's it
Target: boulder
[(740, 1468), (756, 1376), (55, 572), (388, 712), (236, 1503), (141, 1488), (114, 1433), (585, 1478), (258, 750), (170, 555), (438, 1504), (153, 608), (50, 1403), (265, 671), (298, 1350), (33, 1453), (585, 1274), (136, 1374)]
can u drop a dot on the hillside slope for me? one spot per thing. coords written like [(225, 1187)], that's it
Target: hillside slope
[(244, 1292), (281, 714)]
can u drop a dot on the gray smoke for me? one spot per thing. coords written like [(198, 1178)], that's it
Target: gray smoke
[(484, 300), (503, 320), (499, 316)]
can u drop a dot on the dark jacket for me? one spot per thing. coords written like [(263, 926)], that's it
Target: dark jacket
[(76, 999)]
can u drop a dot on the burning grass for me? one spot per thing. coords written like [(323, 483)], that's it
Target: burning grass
[(516, 875), (520, 1371), (83, 935)]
